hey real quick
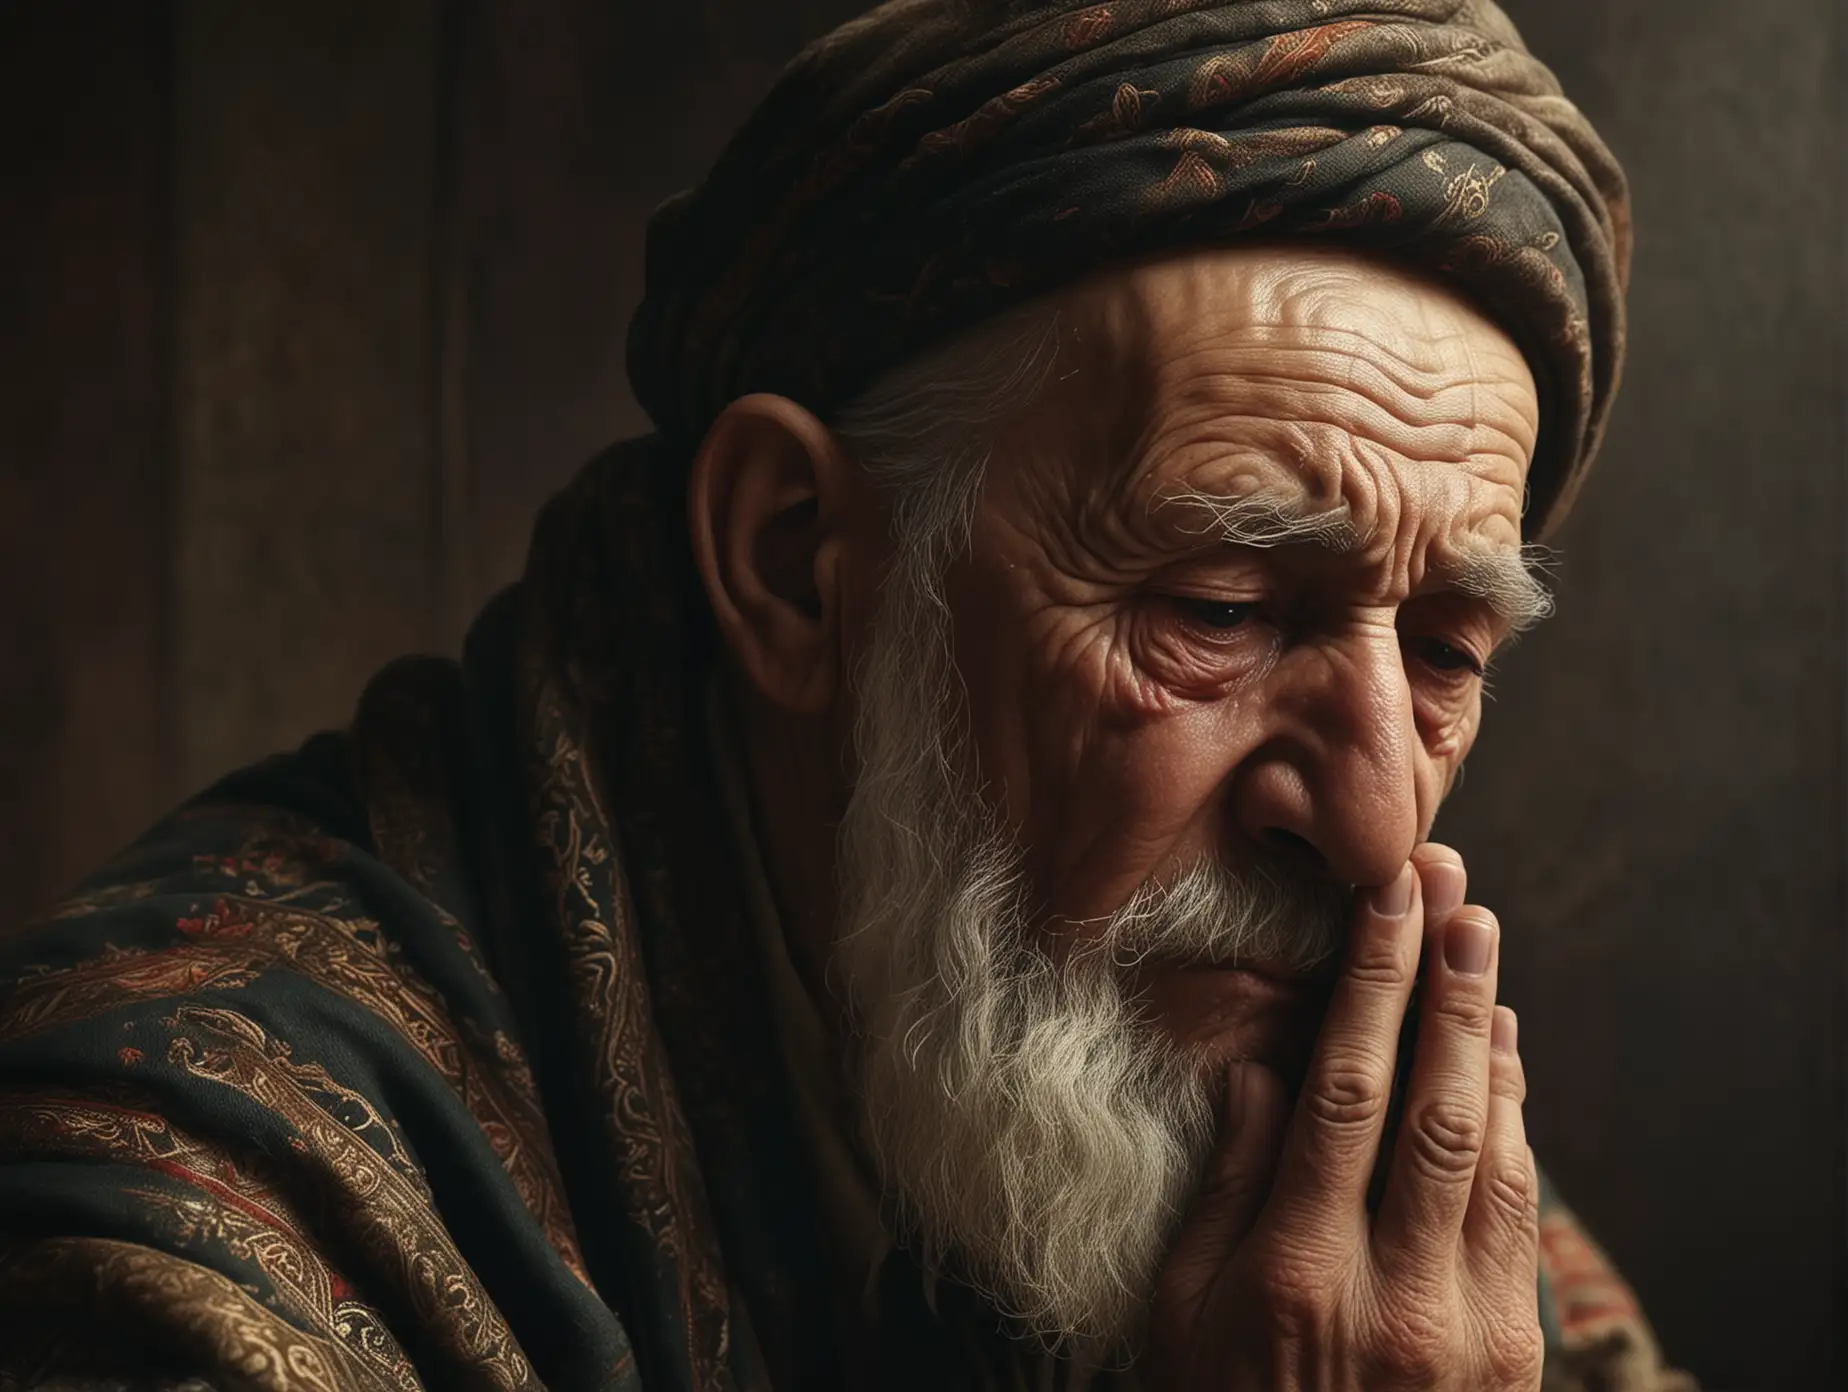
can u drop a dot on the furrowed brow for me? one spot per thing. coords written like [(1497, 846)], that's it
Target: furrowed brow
[(1508, 582), (1261, 521)]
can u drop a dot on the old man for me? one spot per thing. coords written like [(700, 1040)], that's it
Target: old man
[(924, 884)]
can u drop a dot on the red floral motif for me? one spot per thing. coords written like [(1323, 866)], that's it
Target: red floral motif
[(1289, 57), (129, 1056), (1129, 103), (1226, 78), (1378, 206), (1129, 109), (226, 920), (245, 865), (976, 130), (1089, 27), (1192, 183)]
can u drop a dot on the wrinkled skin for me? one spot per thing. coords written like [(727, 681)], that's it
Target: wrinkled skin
[(1144, 694)]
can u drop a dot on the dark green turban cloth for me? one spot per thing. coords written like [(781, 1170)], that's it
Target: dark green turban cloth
[(936, 161)]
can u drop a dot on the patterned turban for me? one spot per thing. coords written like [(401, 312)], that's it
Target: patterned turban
[(936, 161)]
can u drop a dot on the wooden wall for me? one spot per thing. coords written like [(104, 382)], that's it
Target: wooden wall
[(306, 474), (87, 739), (305, 306)]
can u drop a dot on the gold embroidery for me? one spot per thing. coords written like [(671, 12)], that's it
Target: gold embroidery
[(1467, 194), (300, 1278), (126, 1127), (384, 1214), (238, 939), (643, 1124), (210, 1321), (232, 1204)]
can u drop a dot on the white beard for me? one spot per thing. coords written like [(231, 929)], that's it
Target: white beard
[(1035, 1131)]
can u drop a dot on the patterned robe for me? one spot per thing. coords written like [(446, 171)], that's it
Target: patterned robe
[(436, 1055)]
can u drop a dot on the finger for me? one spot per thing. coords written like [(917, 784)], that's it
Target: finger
[(1233, 1188), (1445, 880), (1335, 1132), (1447, 1102), (1501, 1232)]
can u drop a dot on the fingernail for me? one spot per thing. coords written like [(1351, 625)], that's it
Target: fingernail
[(1468, 944), (1445, 887), (1392, 900), (1505, 1032)]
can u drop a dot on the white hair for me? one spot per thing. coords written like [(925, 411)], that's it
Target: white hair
[(1034, 1131), (925, 430)]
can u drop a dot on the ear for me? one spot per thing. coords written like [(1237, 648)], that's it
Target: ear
[(767, 503)]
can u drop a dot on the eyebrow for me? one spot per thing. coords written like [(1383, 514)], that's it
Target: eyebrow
[(1507, 581)]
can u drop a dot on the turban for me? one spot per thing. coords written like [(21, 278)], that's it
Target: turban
[(936, 161)]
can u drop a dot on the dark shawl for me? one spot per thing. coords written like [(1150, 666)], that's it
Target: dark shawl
[(937, 160)]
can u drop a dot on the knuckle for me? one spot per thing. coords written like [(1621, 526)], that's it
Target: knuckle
[(1509, 1187), (1377, 961), (1445, 1139), (1509, 1079), (1413, 1347), (1348, 1095), (1470, 1011), (1297, 1288), (1514, 1350)]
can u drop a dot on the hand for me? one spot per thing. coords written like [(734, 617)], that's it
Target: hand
[(1280, 1278)]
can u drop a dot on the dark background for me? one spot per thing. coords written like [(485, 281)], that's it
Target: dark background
[(305, 306)]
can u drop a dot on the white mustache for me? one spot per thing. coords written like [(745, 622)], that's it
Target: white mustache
[(1220, 915)]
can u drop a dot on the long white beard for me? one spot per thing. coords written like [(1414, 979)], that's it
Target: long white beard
[(1030, 1124)]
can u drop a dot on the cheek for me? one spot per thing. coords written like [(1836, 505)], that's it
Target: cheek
[(1038, 679), (1447, 725), (1104, 775), (1143, 798), (1446, 732)]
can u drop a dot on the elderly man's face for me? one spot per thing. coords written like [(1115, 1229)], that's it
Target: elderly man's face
[(1147, 690), (1214, 656)]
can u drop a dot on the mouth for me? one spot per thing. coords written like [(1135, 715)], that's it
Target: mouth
[(1255, 982), (1272, 973), (1268, 1011)]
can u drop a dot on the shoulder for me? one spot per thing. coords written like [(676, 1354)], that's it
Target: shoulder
[(176, 913), (255, 1079)]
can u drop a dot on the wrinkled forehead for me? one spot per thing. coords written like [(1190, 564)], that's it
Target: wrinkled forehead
[(1303, 356)]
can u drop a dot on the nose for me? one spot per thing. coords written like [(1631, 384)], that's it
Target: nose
[(1337, 779)]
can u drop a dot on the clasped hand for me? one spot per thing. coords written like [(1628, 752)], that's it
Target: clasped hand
[(1281, 1277)]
